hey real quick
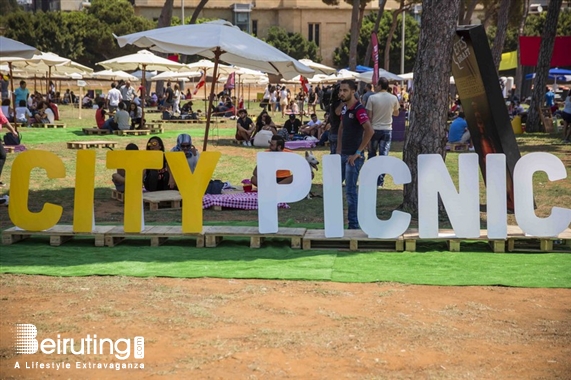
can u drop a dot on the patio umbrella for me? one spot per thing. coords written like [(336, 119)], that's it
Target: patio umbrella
[(368, 76), (142, 60), (207, 66), (318, 67), (219, 40), (113, 75), (176, 75)]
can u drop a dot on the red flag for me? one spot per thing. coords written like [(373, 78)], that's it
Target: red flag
[(230, 82), (304, 83), (201, 83), (375, 44)]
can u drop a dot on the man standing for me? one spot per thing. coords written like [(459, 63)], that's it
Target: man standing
[(381, 108), (113, 98), (549, 97), (21, 93), (128, 94), (367, 94), (169, 97), (355, 131)]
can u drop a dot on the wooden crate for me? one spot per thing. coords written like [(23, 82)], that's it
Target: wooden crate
[(158, 235), (132, 132), (118, 195), (518, 241), (90, 144), (167, 199), (411, 237), (96, 131), (58, 234), (353, 240), (54, 125), (215, 234)]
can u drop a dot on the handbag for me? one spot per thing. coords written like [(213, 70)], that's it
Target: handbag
[(214, 187), (10, 139)]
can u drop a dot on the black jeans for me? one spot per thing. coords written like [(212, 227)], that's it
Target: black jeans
[(2, 157)]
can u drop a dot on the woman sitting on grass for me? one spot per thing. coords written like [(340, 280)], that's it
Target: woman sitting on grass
[(41, 117), (136, 114), (153, 179)]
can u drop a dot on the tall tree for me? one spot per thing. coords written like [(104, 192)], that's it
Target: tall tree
[(467, 8), (382, 4), (542, 69), (502, 27), (427, 131), (354, 35), (197, 11), (402, 7), (519, 70), (166, 14)]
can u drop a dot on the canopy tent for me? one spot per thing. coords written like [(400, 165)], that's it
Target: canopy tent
[(176, 75), (11, 51), (318, 67), (114, 75), (221, 41), (368, 76)]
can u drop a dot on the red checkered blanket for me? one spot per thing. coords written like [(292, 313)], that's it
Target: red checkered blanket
[(239, 200)]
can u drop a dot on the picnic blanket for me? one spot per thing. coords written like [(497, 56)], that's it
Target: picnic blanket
[(235, 199), (300, 144)]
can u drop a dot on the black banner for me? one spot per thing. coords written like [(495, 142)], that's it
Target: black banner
[(480, 92)]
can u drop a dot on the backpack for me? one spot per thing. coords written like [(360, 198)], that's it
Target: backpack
[(214, 187), (10, 139)]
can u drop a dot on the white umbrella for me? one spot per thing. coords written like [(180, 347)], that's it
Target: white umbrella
[(208, 66), (113, 75), (318, 67), (219, 40), (142, 60), (368, 76), (176, 75), (13, 48), (407, 76)]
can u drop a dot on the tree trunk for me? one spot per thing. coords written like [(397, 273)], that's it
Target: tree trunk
[(382, 4), (533, 123), (501, 31), (466, 15), (387, 52), (164, 20), (429, 110), (197, 11), (519, 71), (354, 35)]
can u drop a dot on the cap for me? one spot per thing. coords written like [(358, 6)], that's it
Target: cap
[(292, 116)]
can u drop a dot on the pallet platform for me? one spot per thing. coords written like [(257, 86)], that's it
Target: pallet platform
[(352, 240), (457, 147), (411, 237), (518, 241), (182, 121), (90, 144), (96, 131), (166, 198), (135, 132), (158, 235), (9, 148), (156, 130), (118, 195), (214, 235), (58, 234), (54, 125)]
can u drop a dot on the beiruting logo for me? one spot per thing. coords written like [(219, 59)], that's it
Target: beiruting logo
[(27, 344)]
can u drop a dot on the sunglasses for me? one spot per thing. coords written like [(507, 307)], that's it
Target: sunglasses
[(185, 145), (153, 143)]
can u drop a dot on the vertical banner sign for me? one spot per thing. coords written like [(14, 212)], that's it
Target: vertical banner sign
[(375, 44), (479, 88)]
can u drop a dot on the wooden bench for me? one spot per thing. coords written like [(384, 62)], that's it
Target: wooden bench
[(214, 235), (167, 199), (518, 241), (50, 125), (183, 121), (95, 131), (157, 130), (132, 132), (157, 234), (90, 144), (353, 240), (411, 237), (117, 195), (58, 234)]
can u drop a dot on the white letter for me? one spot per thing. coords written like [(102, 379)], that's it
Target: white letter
[(17, 365), (525, 216), (48, 346), (463, 207), (122, 354), (26, 342), (367, 212), (270, 194), (496, 198), (332, 196)]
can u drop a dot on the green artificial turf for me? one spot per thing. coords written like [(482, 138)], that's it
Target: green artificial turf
[(234, 259)]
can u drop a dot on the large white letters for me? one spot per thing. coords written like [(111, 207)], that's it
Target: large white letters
[(332, 196)]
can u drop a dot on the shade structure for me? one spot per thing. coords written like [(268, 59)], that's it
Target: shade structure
[(208, 66), (176, 75), (368, 76), (318, 67), (142, 60), (219, 40), (13, 48), (113, 75)]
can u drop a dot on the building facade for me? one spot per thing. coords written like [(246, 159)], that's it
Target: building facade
[(324, 24)]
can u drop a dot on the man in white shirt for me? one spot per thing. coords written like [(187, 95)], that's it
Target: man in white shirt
[(127, 94), (312, 126), (381, 107), (113, 98)]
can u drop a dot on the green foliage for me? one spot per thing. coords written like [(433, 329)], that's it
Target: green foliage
[(293, 44), (84, 36), (7, 6), (412, 31)]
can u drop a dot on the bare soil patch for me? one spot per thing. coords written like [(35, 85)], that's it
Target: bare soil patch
[(252, 329)]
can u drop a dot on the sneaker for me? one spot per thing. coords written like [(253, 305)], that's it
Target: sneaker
[(245, 143), (249, 143), (4, 200)]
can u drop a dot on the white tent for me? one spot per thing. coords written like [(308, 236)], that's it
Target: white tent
[(114, 75)]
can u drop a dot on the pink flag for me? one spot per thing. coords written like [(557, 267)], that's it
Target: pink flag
[(375, 44), (201, 83), (230, 82)]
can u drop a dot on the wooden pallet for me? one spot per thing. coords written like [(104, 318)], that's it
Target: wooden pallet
[(167, 199), (215, 234), (157, 234), (182, 121), (157, 130), (58, 234), (117, 195), (9, 148), (55, 125), (411, 237), (95, 131), (152, 111), (135, 132), (353, 240), (457, 147), (90, 144), (518, 241)]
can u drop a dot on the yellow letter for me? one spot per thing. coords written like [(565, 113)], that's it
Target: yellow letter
[(19, 213), (84, 190), (134, 162), (192, 186)]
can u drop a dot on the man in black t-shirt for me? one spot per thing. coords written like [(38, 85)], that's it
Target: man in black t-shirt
[(244, 128), (169, 97), (292, 125)]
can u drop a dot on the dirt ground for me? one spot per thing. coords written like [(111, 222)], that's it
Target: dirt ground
[(253, 329)]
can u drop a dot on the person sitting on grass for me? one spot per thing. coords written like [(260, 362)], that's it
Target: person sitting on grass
[(118, 177), (184, 144), (100, 115), (23, 114), (41, 116), (277, 144), (244, 128), (312, 128), (122, 117), (136, 114), (156, 179)]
